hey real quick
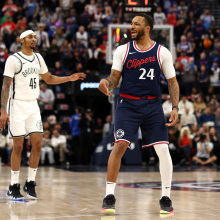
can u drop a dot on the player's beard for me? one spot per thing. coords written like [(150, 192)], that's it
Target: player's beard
[(32, 47), (139, 35)]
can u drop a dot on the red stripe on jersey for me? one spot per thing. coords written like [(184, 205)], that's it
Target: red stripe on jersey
[(159, 55), (145, 146)]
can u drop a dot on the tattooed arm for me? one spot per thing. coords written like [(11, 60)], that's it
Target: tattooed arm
[(110, 82), (174, 95), (4, 99)]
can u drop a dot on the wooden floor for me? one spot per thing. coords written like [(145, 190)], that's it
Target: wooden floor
[(64, 195)]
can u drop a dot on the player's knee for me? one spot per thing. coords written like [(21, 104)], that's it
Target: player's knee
[(161, 149), (37, 147), (119, 148), (17, 148)]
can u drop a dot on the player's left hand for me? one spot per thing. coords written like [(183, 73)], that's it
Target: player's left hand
[(173, 118), (77, 76)]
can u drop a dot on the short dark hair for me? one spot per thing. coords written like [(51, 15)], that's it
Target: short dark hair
[(148, 19)]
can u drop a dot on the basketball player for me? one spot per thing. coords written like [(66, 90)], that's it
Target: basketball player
[(20, 90), (139, 63)]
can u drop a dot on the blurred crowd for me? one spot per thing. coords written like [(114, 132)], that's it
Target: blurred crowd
[(72, 37)]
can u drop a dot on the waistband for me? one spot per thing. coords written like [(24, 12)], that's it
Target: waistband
[(137, 98)]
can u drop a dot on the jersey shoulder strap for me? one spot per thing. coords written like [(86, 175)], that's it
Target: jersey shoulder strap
[(15, 55), (37, 58)]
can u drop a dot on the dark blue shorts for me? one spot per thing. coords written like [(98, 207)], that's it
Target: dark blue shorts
[(144, 113)]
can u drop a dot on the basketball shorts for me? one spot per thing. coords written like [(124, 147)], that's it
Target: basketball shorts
[(25, 118), (144, 113)]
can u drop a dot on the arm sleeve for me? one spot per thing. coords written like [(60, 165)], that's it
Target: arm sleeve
[(166, 63), (118, 57), (12, 66), (43, 68)]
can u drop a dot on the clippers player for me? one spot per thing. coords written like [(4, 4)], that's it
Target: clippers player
[(139, 63), (20, 90)]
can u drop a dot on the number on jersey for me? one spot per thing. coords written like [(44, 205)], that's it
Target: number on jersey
[(150, 74), (33, 83)]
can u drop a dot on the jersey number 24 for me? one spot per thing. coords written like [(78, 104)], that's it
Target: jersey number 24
[(150, 74)]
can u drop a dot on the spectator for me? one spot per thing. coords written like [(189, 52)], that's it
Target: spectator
[(46, 96), (108, 16), (159, 16), (207, 19), (86, 126), (33, 24), (92, 55), (203, 79), (83, 36), (107, 126), (45, 17), (194, 7), (58, 16), (184, 46), (185, 103), (213, 104), (52, 120), (214, 76), (96, 24), (204, 148), (10, 7), (188, 77), (3, 56), (75, 132), (185, 145), (42, 39), (31, 8), (58, 143), (85, 17), (47, 149), (207, 117), (66, 6), (92, 7), (199, 105), (59, 36), (53, 55), (47, 128), (8, 24), (98, 130), (171, 18), (188, 119), (15, 46), (65, 55), (167, 108)]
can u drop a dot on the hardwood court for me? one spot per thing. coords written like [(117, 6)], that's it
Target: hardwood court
[(64, 195)]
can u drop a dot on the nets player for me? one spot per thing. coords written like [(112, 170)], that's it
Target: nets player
[(139, 63), (20, 90)]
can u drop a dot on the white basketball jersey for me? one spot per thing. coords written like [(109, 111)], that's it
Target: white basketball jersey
[(25, 82)]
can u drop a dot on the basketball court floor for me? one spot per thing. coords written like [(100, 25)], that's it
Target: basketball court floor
[(77, 193)]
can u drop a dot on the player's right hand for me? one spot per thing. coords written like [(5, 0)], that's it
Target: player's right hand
[(103, 87), (4, 117)]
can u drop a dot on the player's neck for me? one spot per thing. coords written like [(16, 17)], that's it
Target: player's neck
[(27, 52), (144, 43)]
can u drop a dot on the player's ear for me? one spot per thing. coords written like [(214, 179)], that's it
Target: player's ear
[(22, 40), (147, 28)]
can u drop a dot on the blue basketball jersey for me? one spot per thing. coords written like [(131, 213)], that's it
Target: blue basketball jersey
[(141, 71)]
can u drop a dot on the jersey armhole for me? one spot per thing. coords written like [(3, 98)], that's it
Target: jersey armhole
[(20, 62), (38, 59), (158, 56), (126, 54)]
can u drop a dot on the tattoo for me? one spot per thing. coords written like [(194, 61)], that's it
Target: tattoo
[(174, 91), (5, 92), (113, 79)]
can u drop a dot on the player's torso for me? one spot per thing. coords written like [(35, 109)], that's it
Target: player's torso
[(141, 71), (25, 84)]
